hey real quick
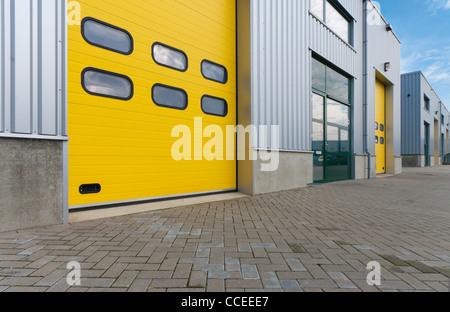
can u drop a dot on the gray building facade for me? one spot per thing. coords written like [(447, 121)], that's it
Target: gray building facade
[(425, 123), (278, 75)]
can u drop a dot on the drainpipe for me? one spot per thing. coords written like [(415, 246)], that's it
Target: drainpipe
[(366, 104)]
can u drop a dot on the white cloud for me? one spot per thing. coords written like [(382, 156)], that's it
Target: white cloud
[(436, 5)]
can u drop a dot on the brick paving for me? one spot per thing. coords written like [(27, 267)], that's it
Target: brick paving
[(315, 239)]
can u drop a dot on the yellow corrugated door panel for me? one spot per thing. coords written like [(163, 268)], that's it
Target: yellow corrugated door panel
[(380, 122), (125, 146)]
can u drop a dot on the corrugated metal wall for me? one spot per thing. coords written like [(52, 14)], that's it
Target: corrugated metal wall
[(283, 35), (33, 71), (280, 70), (412, 123), (414, 115)]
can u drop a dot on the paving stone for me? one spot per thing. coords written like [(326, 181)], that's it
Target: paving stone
[(291, 286)]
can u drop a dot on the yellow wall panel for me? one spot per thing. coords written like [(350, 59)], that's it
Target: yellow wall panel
[(125, 146)]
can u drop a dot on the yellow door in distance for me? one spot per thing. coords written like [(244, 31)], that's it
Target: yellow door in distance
[(138, 70), (380, 126)]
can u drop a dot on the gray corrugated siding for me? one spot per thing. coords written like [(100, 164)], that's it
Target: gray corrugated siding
[(33, 71), (280, 70), (283, 35), (411, 115)]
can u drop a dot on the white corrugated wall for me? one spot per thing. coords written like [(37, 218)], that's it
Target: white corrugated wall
[(33, 71)]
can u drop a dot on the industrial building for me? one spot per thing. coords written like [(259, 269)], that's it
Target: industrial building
[(425, 123), (95, 96)]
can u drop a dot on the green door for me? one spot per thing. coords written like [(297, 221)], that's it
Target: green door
[(331, 139), (427, 145)]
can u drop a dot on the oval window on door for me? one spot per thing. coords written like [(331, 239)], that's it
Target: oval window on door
[(106, 36)]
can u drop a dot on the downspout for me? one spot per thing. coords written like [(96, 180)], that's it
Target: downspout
[(366, 104)]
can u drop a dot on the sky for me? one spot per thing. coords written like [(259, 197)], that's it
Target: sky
[(423, 27)]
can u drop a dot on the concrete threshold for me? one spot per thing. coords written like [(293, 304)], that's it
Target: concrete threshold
[(103, 213)]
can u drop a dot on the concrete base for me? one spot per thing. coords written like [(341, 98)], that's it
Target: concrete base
[(295, 170), (398, 166), (31, 183), (103, 213), (362, 167), (411, 161)]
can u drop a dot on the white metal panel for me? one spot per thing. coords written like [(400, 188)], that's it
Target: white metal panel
[(33, 69), (48, 68), (281, 86), (21, 59)]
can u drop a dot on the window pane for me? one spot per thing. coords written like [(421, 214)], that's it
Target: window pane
[(107, 84), (318, 107), (169, 97), (318, 136), (214, 106), (107, 36), (317, 8), (318, 75), (338, 85), (337, 22), (170, 57), (338, 114), (345, 141), (214, 72), (333, 139)]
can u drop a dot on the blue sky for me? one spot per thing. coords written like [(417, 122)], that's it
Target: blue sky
[(423, 27)]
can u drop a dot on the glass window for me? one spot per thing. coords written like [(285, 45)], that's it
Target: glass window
[(318, 75), (107, 84), (170, 97), (317, 136), (170, 57), (107, 36), (318, 107), (337, 22), (376, 125), (338, 85), (317, 8), (427, 103), (214, 72), (345, 141), (382, 128), (214, 106), (333, 139), (376, 139), (338, 114)]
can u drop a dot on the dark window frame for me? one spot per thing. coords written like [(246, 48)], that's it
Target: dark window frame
[(214, 98), (349, 101), (427, 103), (102, 71), (171, 48), (173, 88), (343, 12), (89, 18), (216, 64)]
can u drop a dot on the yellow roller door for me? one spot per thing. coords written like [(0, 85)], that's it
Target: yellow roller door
[(121, 147), (380, 129)]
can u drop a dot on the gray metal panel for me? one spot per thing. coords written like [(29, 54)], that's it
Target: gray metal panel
[(21, 58), (281, 88), (33, 48), (412, 124), (48, 77), (2, 70)]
